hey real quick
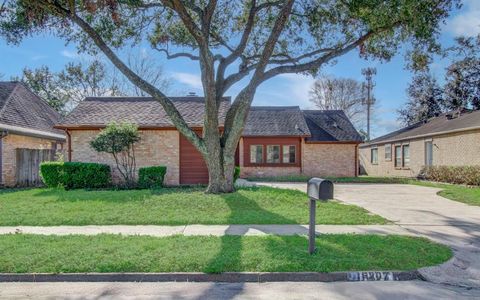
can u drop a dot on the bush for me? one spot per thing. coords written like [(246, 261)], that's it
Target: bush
[(52, 173), (151, 177), (236, 174), (75, 175), (469, 175)]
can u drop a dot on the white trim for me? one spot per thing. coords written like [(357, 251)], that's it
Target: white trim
[(433, 134), (31, 132)]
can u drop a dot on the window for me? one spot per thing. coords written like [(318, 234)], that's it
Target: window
[(273, 154), (289, 154), (374, 156), (388, 152), (256, 154), (405, 156), (428, 153), (398, 156)]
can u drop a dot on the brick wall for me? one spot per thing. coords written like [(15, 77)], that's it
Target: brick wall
[(12, 142), (455, 149), (156, 147), (334, 159)]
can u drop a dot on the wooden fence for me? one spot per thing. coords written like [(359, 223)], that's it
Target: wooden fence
[(28, 165)]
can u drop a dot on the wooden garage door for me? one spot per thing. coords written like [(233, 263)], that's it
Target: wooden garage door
[(193, 169)]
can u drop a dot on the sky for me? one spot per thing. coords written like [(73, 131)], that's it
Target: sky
[(391, 80)]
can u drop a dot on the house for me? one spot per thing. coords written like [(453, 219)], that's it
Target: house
[(451, 139), (276, 140), (26, 122)]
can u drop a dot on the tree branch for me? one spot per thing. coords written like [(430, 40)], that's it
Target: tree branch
[(176, 55)]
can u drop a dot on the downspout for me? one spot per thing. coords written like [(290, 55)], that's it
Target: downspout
[(357, 164), (69, 142), (3, 134)]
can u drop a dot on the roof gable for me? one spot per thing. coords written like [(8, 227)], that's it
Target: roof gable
[(21, 107), (275, 121)]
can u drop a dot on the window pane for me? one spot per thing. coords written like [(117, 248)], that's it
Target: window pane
[(398, 156), (256, 154), (374, 154), (388, 152), (273, 154), (289, 154), (406, 155), (428, 153)]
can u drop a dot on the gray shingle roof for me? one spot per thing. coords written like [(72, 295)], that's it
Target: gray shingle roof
[(465, 120), (330, 126), (275, 121), (143, 111), (21, 107)]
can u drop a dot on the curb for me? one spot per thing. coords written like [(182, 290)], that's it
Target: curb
[(222, 277)]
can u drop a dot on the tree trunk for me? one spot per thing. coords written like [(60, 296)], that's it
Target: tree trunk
[(221, 166)]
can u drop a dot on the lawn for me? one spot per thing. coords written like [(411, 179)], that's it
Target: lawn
[(210, 254), (467, 195), (170, 206)]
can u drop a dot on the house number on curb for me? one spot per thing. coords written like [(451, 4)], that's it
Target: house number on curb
[(371, 276)]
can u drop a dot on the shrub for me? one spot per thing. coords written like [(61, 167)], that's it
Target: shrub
[(52, 173), (75, 175), (469, 175), (236, 174), (151, 177), (78, 175)]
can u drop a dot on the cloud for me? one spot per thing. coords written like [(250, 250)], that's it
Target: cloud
[(69, 54), (192, 80), (466, 22)]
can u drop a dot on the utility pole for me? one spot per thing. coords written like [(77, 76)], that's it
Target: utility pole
[(369, 100)]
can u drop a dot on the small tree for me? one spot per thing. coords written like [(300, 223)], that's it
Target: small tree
[(119, 140)]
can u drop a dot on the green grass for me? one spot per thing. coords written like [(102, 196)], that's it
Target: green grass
[(467, 195), (171, 206), (359, 179), (210, 254)]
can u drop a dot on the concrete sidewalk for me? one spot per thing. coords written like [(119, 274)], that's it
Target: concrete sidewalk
[(216, 230)]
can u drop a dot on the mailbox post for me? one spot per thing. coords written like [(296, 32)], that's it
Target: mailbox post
[(317, 190)]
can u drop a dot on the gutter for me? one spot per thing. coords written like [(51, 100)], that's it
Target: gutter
[(31, 132), (419, 136)]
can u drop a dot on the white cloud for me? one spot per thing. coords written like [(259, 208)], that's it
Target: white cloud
[(192, 80), (38, 57), (467, 22), (69, 54)]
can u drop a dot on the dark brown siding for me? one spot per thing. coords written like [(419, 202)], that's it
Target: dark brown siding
[(193, 169)]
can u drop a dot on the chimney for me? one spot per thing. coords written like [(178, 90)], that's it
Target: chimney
[(192, 94)]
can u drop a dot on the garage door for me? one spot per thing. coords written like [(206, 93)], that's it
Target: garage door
[(193, 169)]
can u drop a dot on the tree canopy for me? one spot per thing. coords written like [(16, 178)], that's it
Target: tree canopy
[(254, 40)]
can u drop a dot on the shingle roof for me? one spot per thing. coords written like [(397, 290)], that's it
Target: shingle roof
[(143, 111), (330, 126), (22, 108), (465, 120), (275, 121)]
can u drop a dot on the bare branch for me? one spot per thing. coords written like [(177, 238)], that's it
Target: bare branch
[(176, 55)]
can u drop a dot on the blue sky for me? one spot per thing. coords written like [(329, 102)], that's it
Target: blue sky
[(391, 79)]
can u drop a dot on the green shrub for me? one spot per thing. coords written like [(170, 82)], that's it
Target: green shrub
[(52, 173), (469, 175), (78, 175), (151, 177), (236, 174)]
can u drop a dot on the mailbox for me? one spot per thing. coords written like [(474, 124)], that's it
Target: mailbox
[(320, 189)]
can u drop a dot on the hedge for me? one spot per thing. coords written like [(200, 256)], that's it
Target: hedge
[(151, 177), (469, 175), (75, 175), (236, 174)]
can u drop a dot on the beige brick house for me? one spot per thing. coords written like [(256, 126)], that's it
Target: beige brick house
[(276, 140), (26, 122), (451, 139)]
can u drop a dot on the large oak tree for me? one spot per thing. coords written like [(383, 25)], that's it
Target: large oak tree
[(234, 42)]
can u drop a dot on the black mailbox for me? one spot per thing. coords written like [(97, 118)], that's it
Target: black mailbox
[(320, 189)]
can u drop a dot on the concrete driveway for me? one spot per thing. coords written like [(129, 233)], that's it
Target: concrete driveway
[(422, 212)]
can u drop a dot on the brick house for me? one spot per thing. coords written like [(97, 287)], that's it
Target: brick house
[(451, 139), (26, 122), (276, 140)]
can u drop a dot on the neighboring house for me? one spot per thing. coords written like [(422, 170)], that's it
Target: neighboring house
[(276, 140), (451, 139), (26, 122)]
